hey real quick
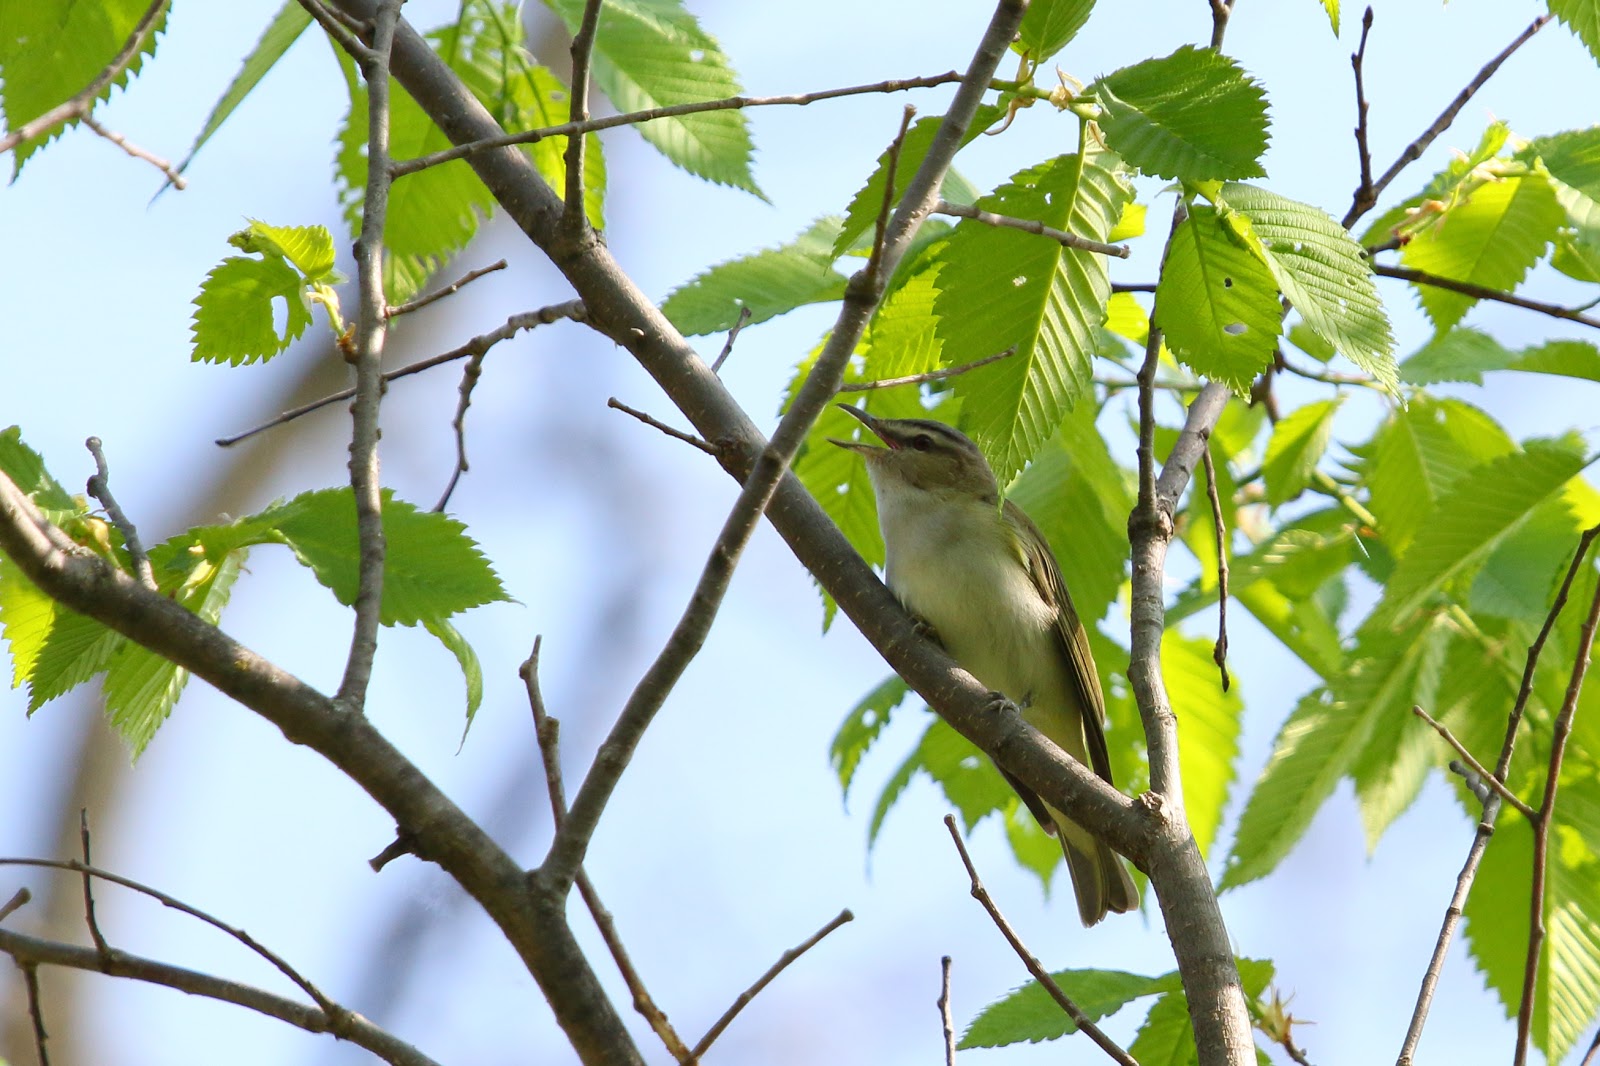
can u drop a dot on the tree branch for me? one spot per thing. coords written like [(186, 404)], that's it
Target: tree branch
[(449, 290), (100, 488), (582, 53), (1028, 225), (1482, 292)]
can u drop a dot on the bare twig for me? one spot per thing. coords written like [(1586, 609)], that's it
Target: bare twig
[(573, 220), (1365, 196), (449, 290), (88, 891), (1219, 651), (1481, 292), (1084, 1023), (1489, 779), (174, 179), (1491, 811), (81, 103), (675, 434), (546, 730), (1220, 12), (30, 978), (100, 488), (572, 309), (1594, 1047), (931, 375), (371, 331), (469, 381), (1559, 733), (891, 167), (765, 979), (633, 118), (946, 1023), (1414, 150), (733, 335), (336, 24), (18, 899), (1028, 225), (31, 952)]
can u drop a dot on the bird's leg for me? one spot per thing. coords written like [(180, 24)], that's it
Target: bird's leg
[(926, 631)]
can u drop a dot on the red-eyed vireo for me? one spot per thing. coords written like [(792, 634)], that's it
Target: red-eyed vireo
[(979, 573)]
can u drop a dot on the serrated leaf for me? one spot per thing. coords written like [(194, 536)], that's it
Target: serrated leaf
[(1324, 275), (1583, 18), (1029, 1014), (1217, 303), (239, 303), (1518, 578), (1566, 358), (1208, 742), (861, 728), (653, 53), (1297, 445), (1491, 238), (309, 249), (1048, 25), (53, 649), (50, 51), (285, 28), (1000, 288), (1458, 354), (1573, 158), (1471, 518), (25, 467), (1193, 115), (861, 216), (432, 569), (769, 283)]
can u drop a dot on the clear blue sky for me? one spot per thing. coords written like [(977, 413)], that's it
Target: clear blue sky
[(727, 842)]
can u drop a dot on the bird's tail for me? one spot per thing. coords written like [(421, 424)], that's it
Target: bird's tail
[(1099, 877)]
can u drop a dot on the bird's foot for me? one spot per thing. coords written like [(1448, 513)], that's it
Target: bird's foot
[(925, 630)]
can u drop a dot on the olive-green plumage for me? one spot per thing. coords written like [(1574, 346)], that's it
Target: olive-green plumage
[(981, 575)]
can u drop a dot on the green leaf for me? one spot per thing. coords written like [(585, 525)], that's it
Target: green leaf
[(1296, 448), (1323, 273), (1583, 18), (1001, 288), (25, 468), (235, 314), (50, 51), (1167, 1037), (1208, 743), (1193, 115), (1332, 8), (1518, 578), (1216, 302), (432, 569), (653, 53), (1028, 1013), (861, 217), (309, 249), (861, 728), (1572, 157), (1573, 359), (285, 28), (1491, 238), (1049, 25), (471, 671), (1458, 354), (1463, 174), (53, 649), (769, 283), (1470, 520), (1305, 338)]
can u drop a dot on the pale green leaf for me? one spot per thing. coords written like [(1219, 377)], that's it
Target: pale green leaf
[(1583, 18), (1490, 238), (1323, 273), (1193, 115), (653, 53), (285, 28), (238, 308), (1566, 358), (1518, 578), (1208, 741), (1303, 626), (1029, 1014), (309, 249), (1332, 8), (1573, 158), (1306, 339), (1048, 25), (861, 727), (1297, 445), (1216, 302), (769, 283), (471, 671), (903, 338), (1000, 288), (1464, 172), (25, 467), (1458, 354)]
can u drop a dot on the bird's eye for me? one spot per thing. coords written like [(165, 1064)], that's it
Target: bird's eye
[(922, 442)]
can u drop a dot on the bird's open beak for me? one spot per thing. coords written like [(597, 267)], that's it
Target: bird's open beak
[(864, 447)]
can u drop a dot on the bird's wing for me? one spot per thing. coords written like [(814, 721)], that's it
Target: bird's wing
[(1074, 642)]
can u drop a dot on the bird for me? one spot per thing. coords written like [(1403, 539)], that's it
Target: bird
[(978, 573)]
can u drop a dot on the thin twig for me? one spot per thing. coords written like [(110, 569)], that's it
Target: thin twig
[(334, 24), (675, 434), (946, 1023), (1489, 779), (572, 309), (1365, 197), (546, 730), (1594, 1047), (469, 381), (1028, 225), (733, 335), (1560, 732), (1219, 651), (19, 898), (88, 892), (1040, 974), (1481, 292), (1220, 11), (100, 488), (81, 103), (30, 978), (31, 952), (449, 290), (1491, 811), (1414, 150), (633, 118), (573, 219), (371, 330), (931, 375), (890, 173), (766, 979), (174, 179)]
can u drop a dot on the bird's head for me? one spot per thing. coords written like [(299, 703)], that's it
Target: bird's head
[(919, 453)]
